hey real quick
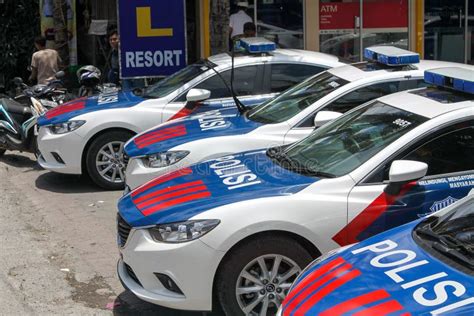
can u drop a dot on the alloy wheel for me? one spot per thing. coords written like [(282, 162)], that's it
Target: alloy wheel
[(111, 162), (264, 283)]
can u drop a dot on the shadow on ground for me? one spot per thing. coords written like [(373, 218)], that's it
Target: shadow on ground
[(128, 304), (65, 183), (20, 161)]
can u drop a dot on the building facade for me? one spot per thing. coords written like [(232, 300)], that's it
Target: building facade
[(437, 29)]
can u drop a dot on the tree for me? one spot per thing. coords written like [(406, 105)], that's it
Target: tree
[(219, 26), (19, 20), (60, 30)]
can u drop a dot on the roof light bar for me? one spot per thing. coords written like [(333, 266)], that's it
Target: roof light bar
[(459, 79), (391, 55), (257, 45)]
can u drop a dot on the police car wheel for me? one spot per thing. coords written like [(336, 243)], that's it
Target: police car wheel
[(2, 152), (255, 278), (106, 160)]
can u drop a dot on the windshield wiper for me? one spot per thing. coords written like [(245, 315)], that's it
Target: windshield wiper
[(447, 245), (454, 252), (283, 160)]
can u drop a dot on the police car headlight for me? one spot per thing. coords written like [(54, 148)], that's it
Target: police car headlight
[(164, 159), (183, 231), (66, 127)]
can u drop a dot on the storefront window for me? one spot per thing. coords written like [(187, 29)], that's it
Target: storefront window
[(280, 21), (444, 30), (381, 22)]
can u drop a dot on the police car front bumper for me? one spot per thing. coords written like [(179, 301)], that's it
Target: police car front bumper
[(60, 152), (145, 263)]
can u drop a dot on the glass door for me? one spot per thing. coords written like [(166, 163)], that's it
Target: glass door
[(445, 29), (340, 28)]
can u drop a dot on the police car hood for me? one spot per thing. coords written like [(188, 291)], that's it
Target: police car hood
[(69, 110), (177, 132), (351, 282), (180, 195)]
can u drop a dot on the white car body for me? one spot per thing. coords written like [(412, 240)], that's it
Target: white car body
[(320, 213), (233, 133), (127, 112)]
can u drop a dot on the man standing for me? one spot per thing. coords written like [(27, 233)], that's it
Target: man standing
[(237, 20), (113, 75), (44, 63)]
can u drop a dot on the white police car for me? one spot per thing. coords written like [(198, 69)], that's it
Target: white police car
[(87, 135), (243, 226), (422, 268), (283, 120)]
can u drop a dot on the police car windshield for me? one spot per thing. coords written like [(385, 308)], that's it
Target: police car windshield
[(452, 233), (339, 147), (296, 99), (176, 80)]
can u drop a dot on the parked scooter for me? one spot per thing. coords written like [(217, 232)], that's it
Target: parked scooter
[(18, 124), (50, 95)]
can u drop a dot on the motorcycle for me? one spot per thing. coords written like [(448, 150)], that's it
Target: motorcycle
[(18, 125), (50, 95)]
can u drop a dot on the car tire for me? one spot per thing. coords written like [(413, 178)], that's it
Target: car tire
[(2, 152), (242, 268), (106, 161)]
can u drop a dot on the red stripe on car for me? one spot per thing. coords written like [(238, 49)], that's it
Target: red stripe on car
[(355, 303), (384, 308), (312, 276), (167, 196), (163, 135), (66, 108), (158, 132), (167, 190), (159, 180), (348, 235), (329, 288), (181, 200)]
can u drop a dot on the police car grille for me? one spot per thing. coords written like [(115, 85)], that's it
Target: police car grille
[(131, 274), (123, 230)]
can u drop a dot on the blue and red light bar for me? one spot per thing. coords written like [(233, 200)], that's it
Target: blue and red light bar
[(455, 78), (257, 45), (391, 55)]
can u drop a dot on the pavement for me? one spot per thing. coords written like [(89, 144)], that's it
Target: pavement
[(58, 249)]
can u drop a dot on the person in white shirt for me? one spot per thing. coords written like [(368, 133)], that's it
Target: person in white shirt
[(237, 20)]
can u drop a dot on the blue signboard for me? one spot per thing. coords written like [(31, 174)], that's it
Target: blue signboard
[(152, 37)]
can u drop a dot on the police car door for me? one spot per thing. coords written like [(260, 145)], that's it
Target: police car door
[(347, 101), (449, 153)]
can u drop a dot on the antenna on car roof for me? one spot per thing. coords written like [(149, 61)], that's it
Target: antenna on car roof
[(240, 106)]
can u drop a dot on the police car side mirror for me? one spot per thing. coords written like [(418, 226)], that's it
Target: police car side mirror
[(324, 117), (402, 172), (196, 95)]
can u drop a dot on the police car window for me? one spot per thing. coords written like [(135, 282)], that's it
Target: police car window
[(362, 95), (176, 80), (244, 83), (285, 76), (339, 147), (448, 153), (296, 99)]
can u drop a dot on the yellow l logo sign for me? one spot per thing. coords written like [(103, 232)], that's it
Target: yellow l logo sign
[(144, 28)]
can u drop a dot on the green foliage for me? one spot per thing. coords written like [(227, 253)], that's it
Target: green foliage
[(19, 24)]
